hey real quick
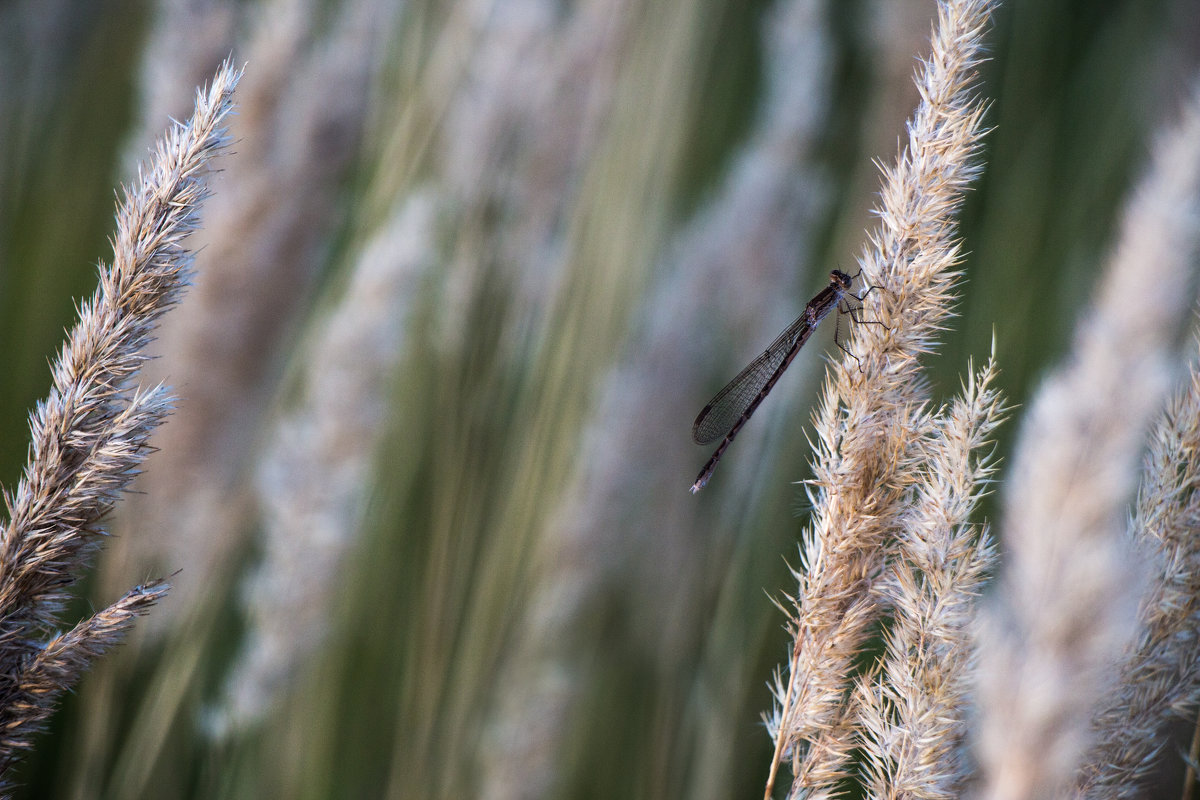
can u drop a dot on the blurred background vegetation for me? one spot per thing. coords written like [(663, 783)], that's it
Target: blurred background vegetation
[(469, 274)]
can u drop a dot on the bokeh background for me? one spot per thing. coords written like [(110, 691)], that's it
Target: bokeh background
[(469, 273)]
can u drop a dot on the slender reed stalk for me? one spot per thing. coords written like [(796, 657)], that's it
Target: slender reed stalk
[(1189, 775), (90, 434), (866, 427)]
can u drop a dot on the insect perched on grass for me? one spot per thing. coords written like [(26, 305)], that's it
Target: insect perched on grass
[(726, 413)]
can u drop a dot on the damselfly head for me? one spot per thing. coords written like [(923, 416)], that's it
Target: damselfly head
[(841, 279)]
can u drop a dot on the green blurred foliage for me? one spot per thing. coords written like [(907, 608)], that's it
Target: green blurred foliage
[(69, 75), (1075, 89)]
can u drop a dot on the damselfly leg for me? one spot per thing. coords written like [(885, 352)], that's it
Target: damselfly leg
[(851, 306)]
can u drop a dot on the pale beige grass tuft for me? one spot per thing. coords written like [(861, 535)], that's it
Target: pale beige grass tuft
[(911, 707), (314, 478), (868, 426), (1064, 608), (265, 239), (90, 435), (1161, 676)]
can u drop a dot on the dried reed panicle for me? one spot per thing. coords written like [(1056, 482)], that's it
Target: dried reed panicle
[(89, 436), (912, 709), (865, 426), (1161, 678), (315, 474), (50, 669), (1065, 606), (265, 237), (528, 114)]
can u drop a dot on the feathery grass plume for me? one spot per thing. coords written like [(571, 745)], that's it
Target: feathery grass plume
[(314, 479), (741, 247), (865, 426), (1161, 676), (265, 239), (59, 664), (1161, 679), (912, 708), (527, 113), (1066, 601), (89, 436)]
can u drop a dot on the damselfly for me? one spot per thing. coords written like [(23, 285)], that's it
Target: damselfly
[(725, 415)]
